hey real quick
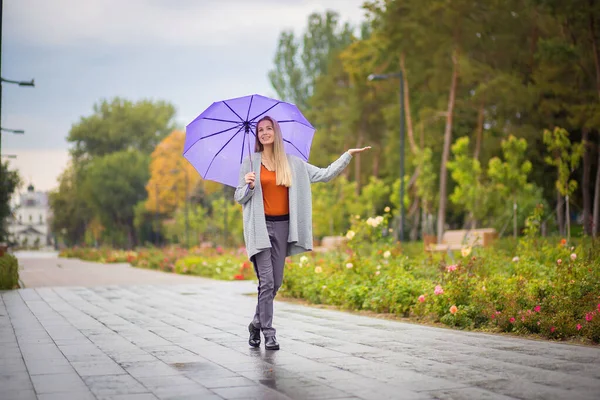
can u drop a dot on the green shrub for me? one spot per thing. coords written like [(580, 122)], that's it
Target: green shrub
[(9, 272)]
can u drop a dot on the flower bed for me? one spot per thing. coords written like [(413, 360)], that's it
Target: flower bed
[(214, 263)]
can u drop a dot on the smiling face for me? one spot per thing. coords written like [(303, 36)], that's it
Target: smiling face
[(265, 132)]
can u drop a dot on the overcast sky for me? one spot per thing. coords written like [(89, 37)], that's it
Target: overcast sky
[(188, 52)]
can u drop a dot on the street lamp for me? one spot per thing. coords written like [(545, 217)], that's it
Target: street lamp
[(20, 83), (15, 131), (376, 77)]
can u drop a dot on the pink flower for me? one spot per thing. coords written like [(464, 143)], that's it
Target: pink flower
[(589, 316), (438, 290), (539, 323), (578, 327), (559, 261), (537, 308), (552, 329), (421, 298), (498, 312), (598, 307), (523, 318), (453, 309), (573, 257), (451, 268), (512, 320)]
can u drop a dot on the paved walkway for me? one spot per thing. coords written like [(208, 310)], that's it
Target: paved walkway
[(132, 334)]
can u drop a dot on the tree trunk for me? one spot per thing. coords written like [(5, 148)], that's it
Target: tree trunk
[(446, 153), (414, 229), (358, 158), (594, 45), (585, 187), (515, 218), (596, 222), (560, 213), (409, 124), (479, 130)]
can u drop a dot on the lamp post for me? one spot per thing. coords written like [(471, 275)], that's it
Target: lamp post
[(375, 77), (2, 80), (15, 131), (187, 223)]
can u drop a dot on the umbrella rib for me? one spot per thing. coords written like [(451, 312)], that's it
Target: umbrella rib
[(249, 107), (298, 122), (212, 134), (220, 120), (267, 110), (236, 114), (220, 150), (299, 151)]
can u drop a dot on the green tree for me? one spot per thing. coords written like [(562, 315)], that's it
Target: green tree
[(565, 157), (426, 187), (469, 193), (113, 185), (298, 65), (121, 125), (9, 182), (509, 178), (70, 212)]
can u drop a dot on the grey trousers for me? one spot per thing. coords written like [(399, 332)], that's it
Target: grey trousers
[(268, 265)]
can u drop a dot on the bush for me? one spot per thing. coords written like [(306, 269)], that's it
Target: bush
[(9, 272)]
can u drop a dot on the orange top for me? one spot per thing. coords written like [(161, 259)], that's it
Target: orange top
[(275, 198)]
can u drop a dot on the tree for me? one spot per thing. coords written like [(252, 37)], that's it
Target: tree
[(70, 213), (9, 182), (565, 156), (112, 186), (295, 73), (469, 191), (121, 125), (171, 174), (510, 178)]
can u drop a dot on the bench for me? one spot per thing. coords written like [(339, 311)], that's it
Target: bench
[(458, 239)]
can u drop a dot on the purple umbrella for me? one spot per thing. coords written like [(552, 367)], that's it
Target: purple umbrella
[(217, 141)]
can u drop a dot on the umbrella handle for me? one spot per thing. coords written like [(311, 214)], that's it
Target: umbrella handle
[(249, 154)]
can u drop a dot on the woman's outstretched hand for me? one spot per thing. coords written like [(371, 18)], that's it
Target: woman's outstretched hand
[(354, 151)]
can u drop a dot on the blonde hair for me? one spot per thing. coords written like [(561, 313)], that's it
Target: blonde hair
[(283, 173)]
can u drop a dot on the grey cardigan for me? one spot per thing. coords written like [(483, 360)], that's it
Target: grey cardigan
[(300, 237)]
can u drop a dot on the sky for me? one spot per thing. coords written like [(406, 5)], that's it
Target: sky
[(187, 52)]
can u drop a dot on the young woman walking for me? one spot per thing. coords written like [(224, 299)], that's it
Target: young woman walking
[(277, 211)]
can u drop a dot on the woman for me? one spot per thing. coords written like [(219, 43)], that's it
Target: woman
[(277, 211)]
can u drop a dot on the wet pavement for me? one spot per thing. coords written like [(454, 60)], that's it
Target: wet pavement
[(177, 337)]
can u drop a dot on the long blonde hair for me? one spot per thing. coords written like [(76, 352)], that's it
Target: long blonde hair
[(283, 173)]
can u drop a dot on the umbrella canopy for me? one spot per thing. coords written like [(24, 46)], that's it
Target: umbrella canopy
[(217, 141)]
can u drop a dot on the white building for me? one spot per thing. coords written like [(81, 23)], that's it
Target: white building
[(29, 225)]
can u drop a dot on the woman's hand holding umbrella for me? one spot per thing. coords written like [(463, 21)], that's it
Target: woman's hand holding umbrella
[(250, 178), (354, 151)]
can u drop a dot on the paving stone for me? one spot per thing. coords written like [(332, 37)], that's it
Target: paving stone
[(109, 385), (57, 383), (85, 368), (15, 381), (80, 395), (177, 391), (45, 366), (26, 394)]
